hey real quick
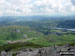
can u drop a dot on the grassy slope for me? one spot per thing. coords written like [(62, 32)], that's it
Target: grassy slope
[(56, 37), (7, 33), (38, 38)]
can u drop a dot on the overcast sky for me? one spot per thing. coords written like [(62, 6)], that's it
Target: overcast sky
[(36, 7)]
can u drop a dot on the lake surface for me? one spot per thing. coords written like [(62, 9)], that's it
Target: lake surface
[(66, 29)]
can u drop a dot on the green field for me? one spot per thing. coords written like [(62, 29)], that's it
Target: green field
[(35, 34), (25, 33), (14, 33)]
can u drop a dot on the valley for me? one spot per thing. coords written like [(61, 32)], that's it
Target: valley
[(18, 34)]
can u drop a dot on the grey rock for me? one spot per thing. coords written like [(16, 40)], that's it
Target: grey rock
[(45, 51), (3, 53)]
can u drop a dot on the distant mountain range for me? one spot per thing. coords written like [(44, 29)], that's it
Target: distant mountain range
[(64, 22), (32, 18)]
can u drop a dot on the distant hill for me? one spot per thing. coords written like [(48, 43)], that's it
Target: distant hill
[(34, 18), (67, 24), (38, 21)]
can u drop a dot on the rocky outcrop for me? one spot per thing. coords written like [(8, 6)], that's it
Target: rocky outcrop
[(38, 52), (45, 51)]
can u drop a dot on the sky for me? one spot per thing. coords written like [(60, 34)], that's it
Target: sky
[(36, 7)]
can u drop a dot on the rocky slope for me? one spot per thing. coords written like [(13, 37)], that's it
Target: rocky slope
[(45, 51)]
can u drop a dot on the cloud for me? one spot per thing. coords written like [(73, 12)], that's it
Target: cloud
[(0, 13), (36, 7), (73, 1)]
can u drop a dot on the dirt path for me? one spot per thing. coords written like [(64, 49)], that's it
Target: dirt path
[(11, 42)]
